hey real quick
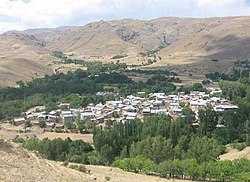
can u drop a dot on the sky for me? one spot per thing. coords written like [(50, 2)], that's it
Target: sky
[(25, 14)]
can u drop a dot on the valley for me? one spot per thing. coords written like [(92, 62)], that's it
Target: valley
[(165, 99)]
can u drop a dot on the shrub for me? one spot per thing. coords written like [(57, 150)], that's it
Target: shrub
[(58, 130), (82, 168), (119, 56), (42, 124), (76, 159), (241, 177), (73, 166), (107, 178), (240, 146), (65, 163), (27, 124), (17, 139)]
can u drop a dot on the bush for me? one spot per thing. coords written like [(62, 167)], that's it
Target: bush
[(27, 124), (17, 139), (58, 130), (76, 159), (42, 124), (241, 177), (82, 168), (107, 178), (58, 149), (136, 164), (119, 56), (73, 166), (65, 163), (239, 146)]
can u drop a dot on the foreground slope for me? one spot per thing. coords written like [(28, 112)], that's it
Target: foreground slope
[(19, 165)]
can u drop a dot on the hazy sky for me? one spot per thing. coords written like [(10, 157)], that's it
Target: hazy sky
[(23, 14)]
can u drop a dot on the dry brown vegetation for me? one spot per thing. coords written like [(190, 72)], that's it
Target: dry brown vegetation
[(235, 154), (19, 165), (188, 45), (9, 132), (73, 136)]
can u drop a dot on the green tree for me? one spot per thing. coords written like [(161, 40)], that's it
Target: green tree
[(42, 124), (157, 149), (27, 124), (208, 121), (136, 164), (204, 149)]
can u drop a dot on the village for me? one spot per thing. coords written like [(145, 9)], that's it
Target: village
[(128, 108)]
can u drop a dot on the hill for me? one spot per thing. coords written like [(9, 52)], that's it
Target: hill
[(20, 165), (189, 43), (22, 57)]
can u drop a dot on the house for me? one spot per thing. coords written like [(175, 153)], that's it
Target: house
[(98, 107), (87, 115), (176, 110), (65, 113), (222, 108), (198, 104), (130, 115), (31, 116), (42, 117), (100, 119), (146, 111), (130, 108), (156, 95), (50, 125), (18, 121), (68, 118), (52, 118)]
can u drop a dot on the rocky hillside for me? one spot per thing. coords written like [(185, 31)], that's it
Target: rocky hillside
[(177, 41), (221, 38), (22, 57)]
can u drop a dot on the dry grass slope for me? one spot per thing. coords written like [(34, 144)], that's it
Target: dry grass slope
[(19, 165), (187, 43), (235, 154)]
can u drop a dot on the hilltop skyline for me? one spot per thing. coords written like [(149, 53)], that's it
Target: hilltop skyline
[(26, 14)]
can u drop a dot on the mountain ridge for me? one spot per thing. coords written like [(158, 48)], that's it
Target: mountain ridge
[(178, 41)]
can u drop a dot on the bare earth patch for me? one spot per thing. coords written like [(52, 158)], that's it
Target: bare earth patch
[(73, 136), (235, 154), (9, 132), (118, 175)]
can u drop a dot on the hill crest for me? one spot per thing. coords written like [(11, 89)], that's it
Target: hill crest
[(178, 41)]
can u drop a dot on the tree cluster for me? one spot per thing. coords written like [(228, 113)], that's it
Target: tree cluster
[(236, 170)]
